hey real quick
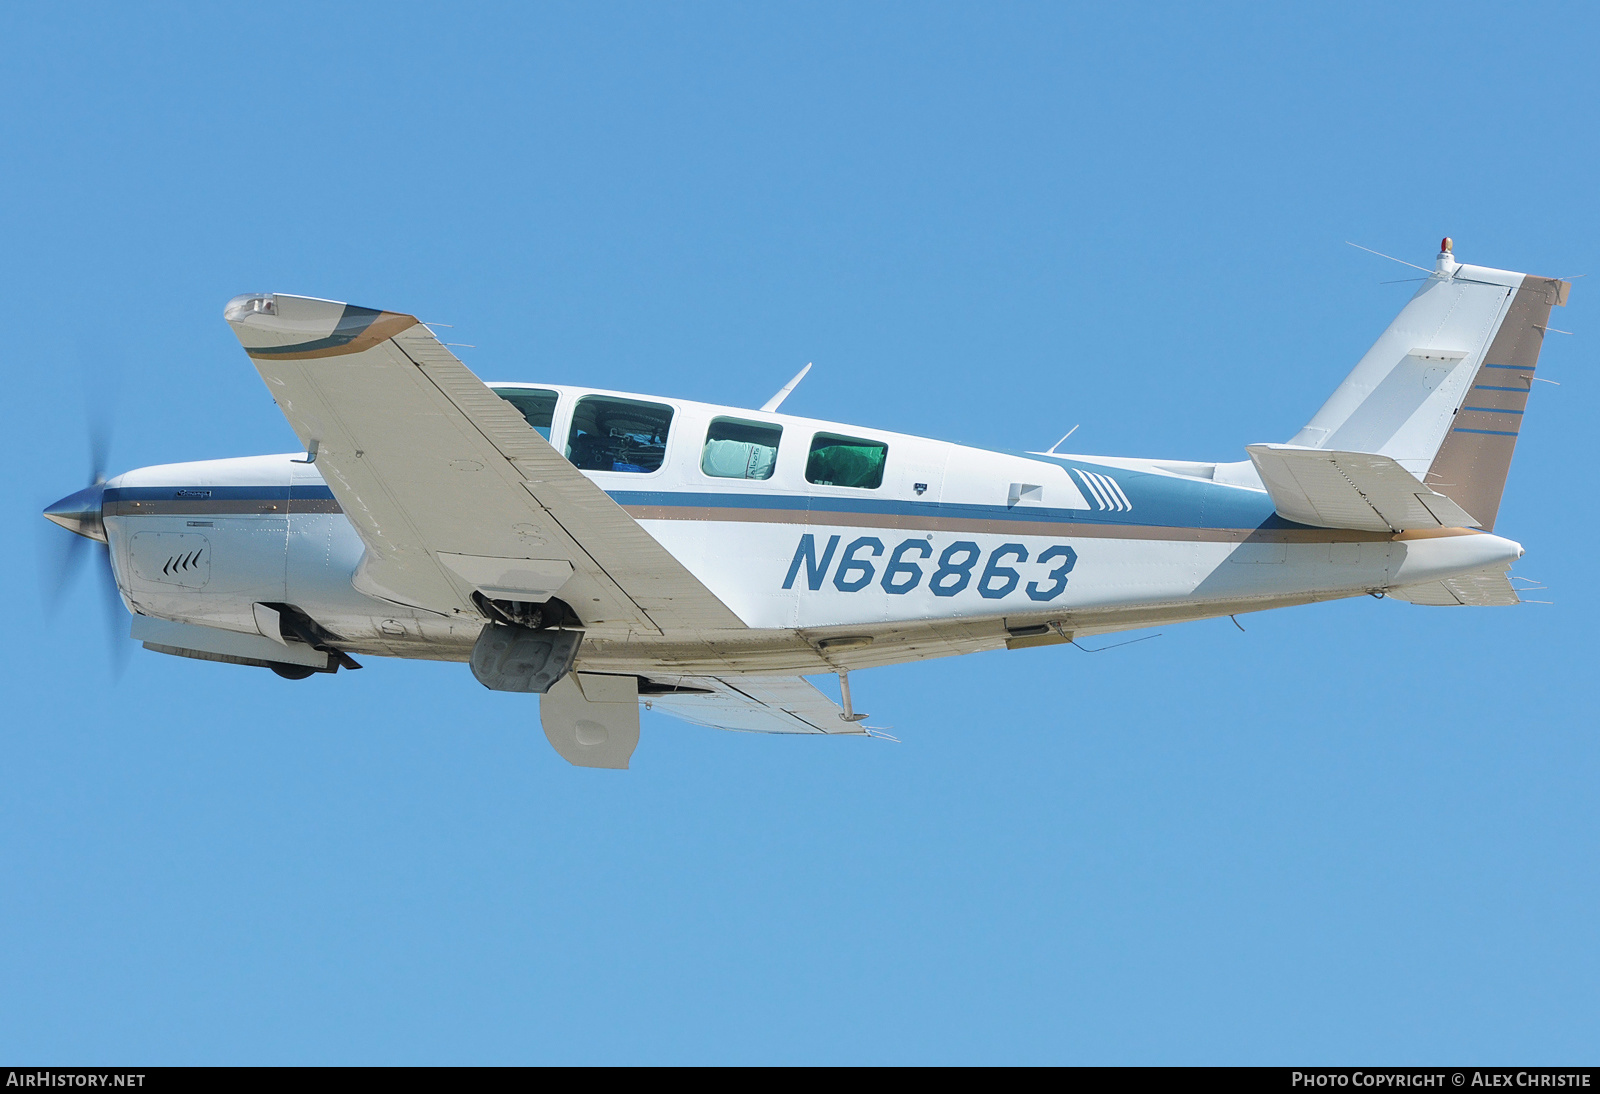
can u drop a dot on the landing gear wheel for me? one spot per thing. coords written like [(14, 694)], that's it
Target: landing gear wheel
[(291, 672)]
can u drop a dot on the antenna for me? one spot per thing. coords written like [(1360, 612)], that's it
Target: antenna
[(776, 401), (1129, 642), (1392, 258), (1051, 450)]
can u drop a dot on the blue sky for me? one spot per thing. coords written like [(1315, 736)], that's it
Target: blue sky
[(1356, 832)]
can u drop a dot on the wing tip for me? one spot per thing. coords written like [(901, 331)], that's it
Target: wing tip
[(278, 326)]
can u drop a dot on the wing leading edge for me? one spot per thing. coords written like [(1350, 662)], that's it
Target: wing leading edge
[(450, 489)]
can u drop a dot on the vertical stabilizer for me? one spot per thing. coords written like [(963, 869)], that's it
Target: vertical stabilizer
[(1442, 391)]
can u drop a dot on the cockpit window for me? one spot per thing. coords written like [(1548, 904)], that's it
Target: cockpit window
[(536, 404), (846, 461), (737, 449), (618, 434)]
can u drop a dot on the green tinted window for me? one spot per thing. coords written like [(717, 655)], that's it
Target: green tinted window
[(846, 461), (737, 449), (536, 404), (618, 434)]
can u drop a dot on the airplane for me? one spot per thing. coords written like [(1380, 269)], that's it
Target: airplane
[(611, 550)]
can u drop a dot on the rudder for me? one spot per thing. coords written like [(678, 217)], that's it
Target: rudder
[(1475, 456)]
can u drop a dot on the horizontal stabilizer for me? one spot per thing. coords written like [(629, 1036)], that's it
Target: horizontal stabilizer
[(754, 704), (1479, 589), (1359, 490)]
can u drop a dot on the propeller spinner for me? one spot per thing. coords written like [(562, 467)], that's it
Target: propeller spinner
[(83, 513)]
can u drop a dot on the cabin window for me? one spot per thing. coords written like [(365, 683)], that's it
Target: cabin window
[(618, 434), (738, 449), (846, 461), (536, 405)]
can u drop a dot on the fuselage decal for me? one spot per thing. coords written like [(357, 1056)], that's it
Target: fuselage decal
[(744, 508), (904, 568)]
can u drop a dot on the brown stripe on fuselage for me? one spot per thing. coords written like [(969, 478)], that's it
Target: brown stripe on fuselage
[(1005, 527), (1434, 533), (279, 506)]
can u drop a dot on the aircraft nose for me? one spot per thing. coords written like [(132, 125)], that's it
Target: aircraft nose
[(81, 512)]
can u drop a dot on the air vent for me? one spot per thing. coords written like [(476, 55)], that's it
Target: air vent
[(181, 559)]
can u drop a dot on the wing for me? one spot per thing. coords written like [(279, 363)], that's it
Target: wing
[(1351, 490), (1480, 589), (449, 487), (754, 704)]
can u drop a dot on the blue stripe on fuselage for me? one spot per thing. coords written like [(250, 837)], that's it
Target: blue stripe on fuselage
[(1158, 501)]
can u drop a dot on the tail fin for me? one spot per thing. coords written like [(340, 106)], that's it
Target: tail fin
[(1442, 391)]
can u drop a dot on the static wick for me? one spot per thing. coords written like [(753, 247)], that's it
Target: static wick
[(1236, 623)]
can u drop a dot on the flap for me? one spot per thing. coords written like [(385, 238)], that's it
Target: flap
[(449, 487), (1351, 490), (754, 704), (604, 688), (528, 579)]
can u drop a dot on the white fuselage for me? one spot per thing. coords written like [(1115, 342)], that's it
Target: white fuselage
[(957, 549)]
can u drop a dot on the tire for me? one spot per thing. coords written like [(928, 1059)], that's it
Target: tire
[(291, 672)]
